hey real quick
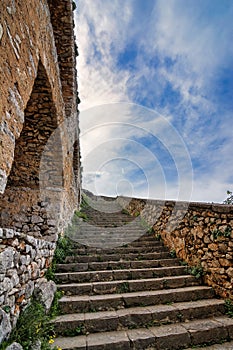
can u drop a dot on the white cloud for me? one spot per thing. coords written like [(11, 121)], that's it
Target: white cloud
[(198, 48), (98, 28)]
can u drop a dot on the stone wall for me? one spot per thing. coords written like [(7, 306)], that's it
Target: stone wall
[(40, 179), (38, 111), (23, 262), (201, 234)]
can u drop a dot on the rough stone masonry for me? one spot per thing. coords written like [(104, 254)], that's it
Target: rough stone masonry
[(39, 144), (199, 233)]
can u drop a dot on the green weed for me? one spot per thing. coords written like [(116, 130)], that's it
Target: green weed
[(196, 271), (81, 215), (229, 308), (125, 211), (173, 253), (34, 324), (218, 233)]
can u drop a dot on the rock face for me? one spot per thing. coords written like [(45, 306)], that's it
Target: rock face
[(200, 233), (39, 144)]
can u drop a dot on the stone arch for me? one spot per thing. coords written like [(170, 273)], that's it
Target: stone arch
[(40, 120), (36, 176)]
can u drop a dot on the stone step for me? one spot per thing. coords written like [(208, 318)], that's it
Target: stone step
[(104, 239), (172, 336), (113, 219), (117, 257), (119, 250), (100, 212), (116, 265), (115, 233), (146, 243), (108, 239), (114, 275), (122, 286), (137, 317), (136, 243), (149, 237), (87, 303), (224, 346), (114, 223)]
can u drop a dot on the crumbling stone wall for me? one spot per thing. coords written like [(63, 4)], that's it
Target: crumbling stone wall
[(201, 234), (23, 263), (39, 142)]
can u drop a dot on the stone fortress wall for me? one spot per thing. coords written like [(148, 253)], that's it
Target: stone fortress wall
[(201, 234), (40, 177)]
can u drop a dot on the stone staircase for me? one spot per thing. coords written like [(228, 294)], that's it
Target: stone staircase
[(131, 294)]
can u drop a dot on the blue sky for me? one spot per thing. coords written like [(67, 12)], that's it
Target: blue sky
[(156, 81)]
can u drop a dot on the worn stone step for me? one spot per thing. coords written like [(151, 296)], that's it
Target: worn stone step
[(86, 303), (131, 228), (113, 220), (122, 286), (146, 242), (114, 224), (117, 257), (119, 250), (104, 239), (116, 265), (101, 214), (148, 237), (137, 317), (114, 275), (172, 337), (133, 245), (224, 346), (93, 230), (117, 234)]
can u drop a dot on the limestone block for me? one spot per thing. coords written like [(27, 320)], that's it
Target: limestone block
[(3, 179), (35, 219), (5, 325), (14, 346), (6, 259), (45, 291)]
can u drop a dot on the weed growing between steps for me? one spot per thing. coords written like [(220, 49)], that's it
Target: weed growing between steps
[(34, 326), (125, 212), (173, 253), (81, 215), (196, 271), (229, 308), (158, 237), (63, 249), (84, 203), (123, 288), (80, 330)]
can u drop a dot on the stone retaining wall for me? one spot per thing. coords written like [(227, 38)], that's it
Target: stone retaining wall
[(23, 262), (201, 234)]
